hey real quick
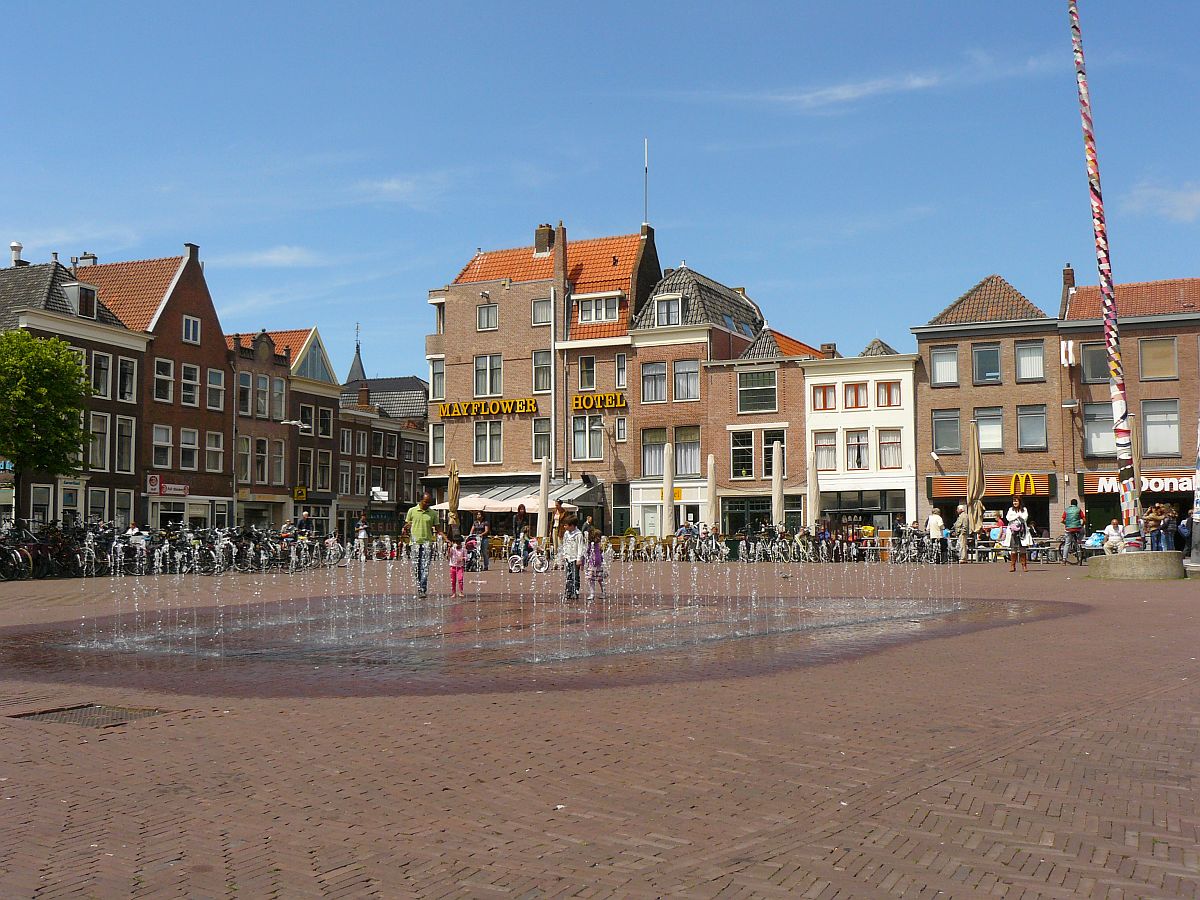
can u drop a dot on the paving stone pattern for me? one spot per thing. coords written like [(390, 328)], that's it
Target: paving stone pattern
[(1049, 759)]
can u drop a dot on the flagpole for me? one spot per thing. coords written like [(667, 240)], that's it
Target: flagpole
[(646, 182), (1130, 491)]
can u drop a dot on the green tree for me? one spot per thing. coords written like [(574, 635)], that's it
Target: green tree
[(43, 388)]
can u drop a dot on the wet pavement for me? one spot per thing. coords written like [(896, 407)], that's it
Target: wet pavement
[(826, 731)]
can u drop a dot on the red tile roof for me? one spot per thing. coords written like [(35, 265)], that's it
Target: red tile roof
[(992, 300), (597, 264), (132, 290), (291, 342), (1140, 298), (792, 347)]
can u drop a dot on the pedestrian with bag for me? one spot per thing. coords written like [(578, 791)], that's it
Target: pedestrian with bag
[(1019, 537)]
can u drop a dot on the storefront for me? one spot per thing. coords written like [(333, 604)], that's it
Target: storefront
[(691, 499), (1037, 490), (751, 513), (1101, 493), (7, 497), (854, 509), (261, 510)]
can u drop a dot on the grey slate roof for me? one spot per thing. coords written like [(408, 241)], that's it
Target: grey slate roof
[(879, 348), (41, 287), (405, 397), (357, 372), (708, 302)]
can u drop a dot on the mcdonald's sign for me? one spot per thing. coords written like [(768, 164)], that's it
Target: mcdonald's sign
[(1001, 484), (1022, 483)]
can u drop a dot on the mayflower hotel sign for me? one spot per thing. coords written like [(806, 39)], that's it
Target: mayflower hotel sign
[(469, 408)]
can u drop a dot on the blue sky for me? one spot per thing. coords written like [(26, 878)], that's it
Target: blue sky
[(855, 166)]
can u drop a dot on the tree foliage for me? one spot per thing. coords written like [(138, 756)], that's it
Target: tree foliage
[(43, 388)]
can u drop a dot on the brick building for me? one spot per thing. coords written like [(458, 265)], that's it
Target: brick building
[(861, 428), (187, 428), (991, 356), (314, 397), (1160, 344), (259, 373), (753, 401), (49, 301), (689, 320), (519, 335)]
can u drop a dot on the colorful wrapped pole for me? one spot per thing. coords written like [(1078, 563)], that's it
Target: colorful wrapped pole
[(1130, 490)]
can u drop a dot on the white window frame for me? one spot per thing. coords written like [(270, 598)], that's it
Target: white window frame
[(214, 443), (865, 442), (133, 379), (102, 459), (490, 312), (360, 479), (92, 492), (345, 477), (733, 471), (545, 367), (437, 378), (106, 393), (543, 422), (533, 311), (593, 428), (493, 429), (126, 495), (590, 386), (186, 369), (437, 430), (493, 375), (262, 395), (242, 458), (191, 323), (132, 467), (774, 373), (360, 443), (767, 459), (346, 442), (194, 446), (823, 440), (278, 398), (324, 473), (167, 378), (308, 419), (244, 391), (656, 376), (675, 373), (169, 443), (662, 311), (218, 387), (622, 370), (620, 429), (898, 442), (593, 310), (325, 419), (680, 455)]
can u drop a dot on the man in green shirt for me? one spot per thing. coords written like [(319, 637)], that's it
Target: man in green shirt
[(421, 526)]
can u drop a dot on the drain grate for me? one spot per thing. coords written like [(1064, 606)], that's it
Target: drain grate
[(89, 715)]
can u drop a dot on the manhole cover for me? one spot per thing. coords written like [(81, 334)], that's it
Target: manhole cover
[(89, 715)]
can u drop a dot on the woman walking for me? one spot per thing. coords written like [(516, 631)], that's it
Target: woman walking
[(1019, 537)]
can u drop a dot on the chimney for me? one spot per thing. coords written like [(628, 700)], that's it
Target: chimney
[(364, 395), (192, 251), (543, 240), (667, 272), (16, 247), (88, 259), (829, 351), (1068, 287)]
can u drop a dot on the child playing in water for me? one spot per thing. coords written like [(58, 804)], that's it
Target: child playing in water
[(457, 558), (595, 565)]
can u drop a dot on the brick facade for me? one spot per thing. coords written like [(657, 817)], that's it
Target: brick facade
[(258, 399)]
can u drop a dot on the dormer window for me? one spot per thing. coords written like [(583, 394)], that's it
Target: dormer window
[(667, 312), (599, 309), (191, 330), (82, 299)]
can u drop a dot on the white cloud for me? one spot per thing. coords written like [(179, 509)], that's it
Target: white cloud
[(1177, 204), (980, 67), (419, 191), (280, 256)]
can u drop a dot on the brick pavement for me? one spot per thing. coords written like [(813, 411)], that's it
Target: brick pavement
[(1047, 759)]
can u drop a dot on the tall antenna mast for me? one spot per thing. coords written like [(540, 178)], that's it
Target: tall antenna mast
[(646, 183), (357, 344), (1122, 432)]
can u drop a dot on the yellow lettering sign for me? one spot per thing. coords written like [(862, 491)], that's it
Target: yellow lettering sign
[(470, 408), (598, 401), (1022, 483)]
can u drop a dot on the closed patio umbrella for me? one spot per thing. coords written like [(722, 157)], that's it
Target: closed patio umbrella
[(714, 505), (543, 501), (667, 523), (452, 489), (777, 514), (813, 499), (975, 484)]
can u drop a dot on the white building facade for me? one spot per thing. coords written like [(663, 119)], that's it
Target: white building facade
[(860, 426)]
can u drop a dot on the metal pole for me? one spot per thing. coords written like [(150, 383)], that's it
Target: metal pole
[(1130, 490)]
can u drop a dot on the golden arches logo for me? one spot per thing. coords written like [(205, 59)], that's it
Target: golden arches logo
[(1022, 483)]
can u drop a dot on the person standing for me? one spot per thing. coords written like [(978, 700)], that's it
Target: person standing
[(961, 530), (595, 564), (1185, 533), (305, 525), (935, 529), (480, 530), (520, 521), (420, 525), (1169, 527), (558, 521), (572, 550), (1019, 538), (1152, 525), (457, 558)]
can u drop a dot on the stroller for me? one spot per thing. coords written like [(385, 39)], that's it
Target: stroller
[(474, 561)]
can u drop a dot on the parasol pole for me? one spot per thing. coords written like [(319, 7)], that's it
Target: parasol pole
[(1130, 490)]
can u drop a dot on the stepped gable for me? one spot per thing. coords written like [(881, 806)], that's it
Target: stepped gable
[(992, 300)]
